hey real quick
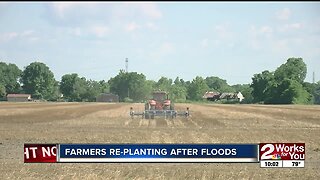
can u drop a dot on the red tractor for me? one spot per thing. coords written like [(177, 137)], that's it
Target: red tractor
[(159, 105), (160, 101)]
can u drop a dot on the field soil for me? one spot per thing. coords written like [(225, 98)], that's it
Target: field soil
[(110, 123)]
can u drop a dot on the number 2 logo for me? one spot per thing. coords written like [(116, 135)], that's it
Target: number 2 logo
[(267, 154)]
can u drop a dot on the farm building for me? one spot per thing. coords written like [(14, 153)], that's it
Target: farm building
[(240, 97), (211, 96), (229, 96), (19, 97), (107, 97)]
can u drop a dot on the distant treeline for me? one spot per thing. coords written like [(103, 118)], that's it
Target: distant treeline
[(285, 85)]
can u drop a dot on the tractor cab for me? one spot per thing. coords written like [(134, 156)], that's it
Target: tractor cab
[(160, 101), (160, 96)]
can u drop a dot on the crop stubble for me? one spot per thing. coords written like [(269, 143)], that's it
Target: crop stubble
[(110, 123)]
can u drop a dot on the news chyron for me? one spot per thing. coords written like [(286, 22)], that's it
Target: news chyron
[(282, 155), (269, 155)]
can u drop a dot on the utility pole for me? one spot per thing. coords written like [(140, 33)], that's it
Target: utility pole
[(127, 72), (313, 77), (127, 65), (128, 93)]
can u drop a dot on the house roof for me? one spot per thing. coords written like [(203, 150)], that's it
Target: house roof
[(18, 95), (223, 95), (210, 94)]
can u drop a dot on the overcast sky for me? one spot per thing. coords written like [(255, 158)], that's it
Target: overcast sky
[(229, 40)]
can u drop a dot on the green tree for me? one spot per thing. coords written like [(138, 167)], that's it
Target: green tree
[(289, 91), (56, 92), (138, 87), (261, 84), (178, 93), (150, 87), (66, 85), (316, 93), (9, 77), (73, 87), (2, 91), (80, 89), (310, 88), (287, 87), (177, 81), (218, 84), (94, 88), (120, 85), (38, 80), (284, 86), (197, 88), (131, 85), (164, 84), (294, 69), (105, 87), (181, 82)]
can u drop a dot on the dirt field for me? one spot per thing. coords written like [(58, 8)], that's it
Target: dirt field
[(110, 123)]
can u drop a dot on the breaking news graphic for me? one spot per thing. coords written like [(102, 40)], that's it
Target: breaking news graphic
[(38, 153), (270, 155), (143, 153), (278, 155)]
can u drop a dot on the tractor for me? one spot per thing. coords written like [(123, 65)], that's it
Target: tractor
[(159, 105)]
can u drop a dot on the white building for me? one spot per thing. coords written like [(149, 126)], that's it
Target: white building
[(240, 96)]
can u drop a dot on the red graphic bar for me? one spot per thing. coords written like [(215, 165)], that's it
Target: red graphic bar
[(282, 151), (40, 153)]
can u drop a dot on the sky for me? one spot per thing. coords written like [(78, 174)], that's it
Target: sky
[(230, 40)]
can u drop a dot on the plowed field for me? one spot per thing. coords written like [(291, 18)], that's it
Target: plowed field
[(110, 123)]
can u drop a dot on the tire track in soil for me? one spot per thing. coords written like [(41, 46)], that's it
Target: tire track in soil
[(205, 138), (128, 122), (166, 137), (144, 123), (170, 123), (190, 122), (178, 123), (152, 123), (155, 137), (135, 122), (204, 116), (161, 122), (205, 120)]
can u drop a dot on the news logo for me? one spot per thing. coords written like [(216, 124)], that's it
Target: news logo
[(40, 153), (276, 156), (282, 154)]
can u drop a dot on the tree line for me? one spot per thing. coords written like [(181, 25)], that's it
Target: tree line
[(285, 85)]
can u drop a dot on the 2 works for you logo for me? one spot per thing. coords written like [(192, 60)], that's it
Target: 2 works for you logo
[(282, 151)]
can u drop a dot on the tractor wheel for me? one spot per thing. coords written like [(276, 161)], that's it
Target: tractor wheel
[(166, 107), (172, 107), (147, 106), (147, 116)]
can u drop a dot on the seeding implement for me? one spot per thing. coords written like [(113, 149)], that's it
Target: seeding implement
[(159, 105)]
